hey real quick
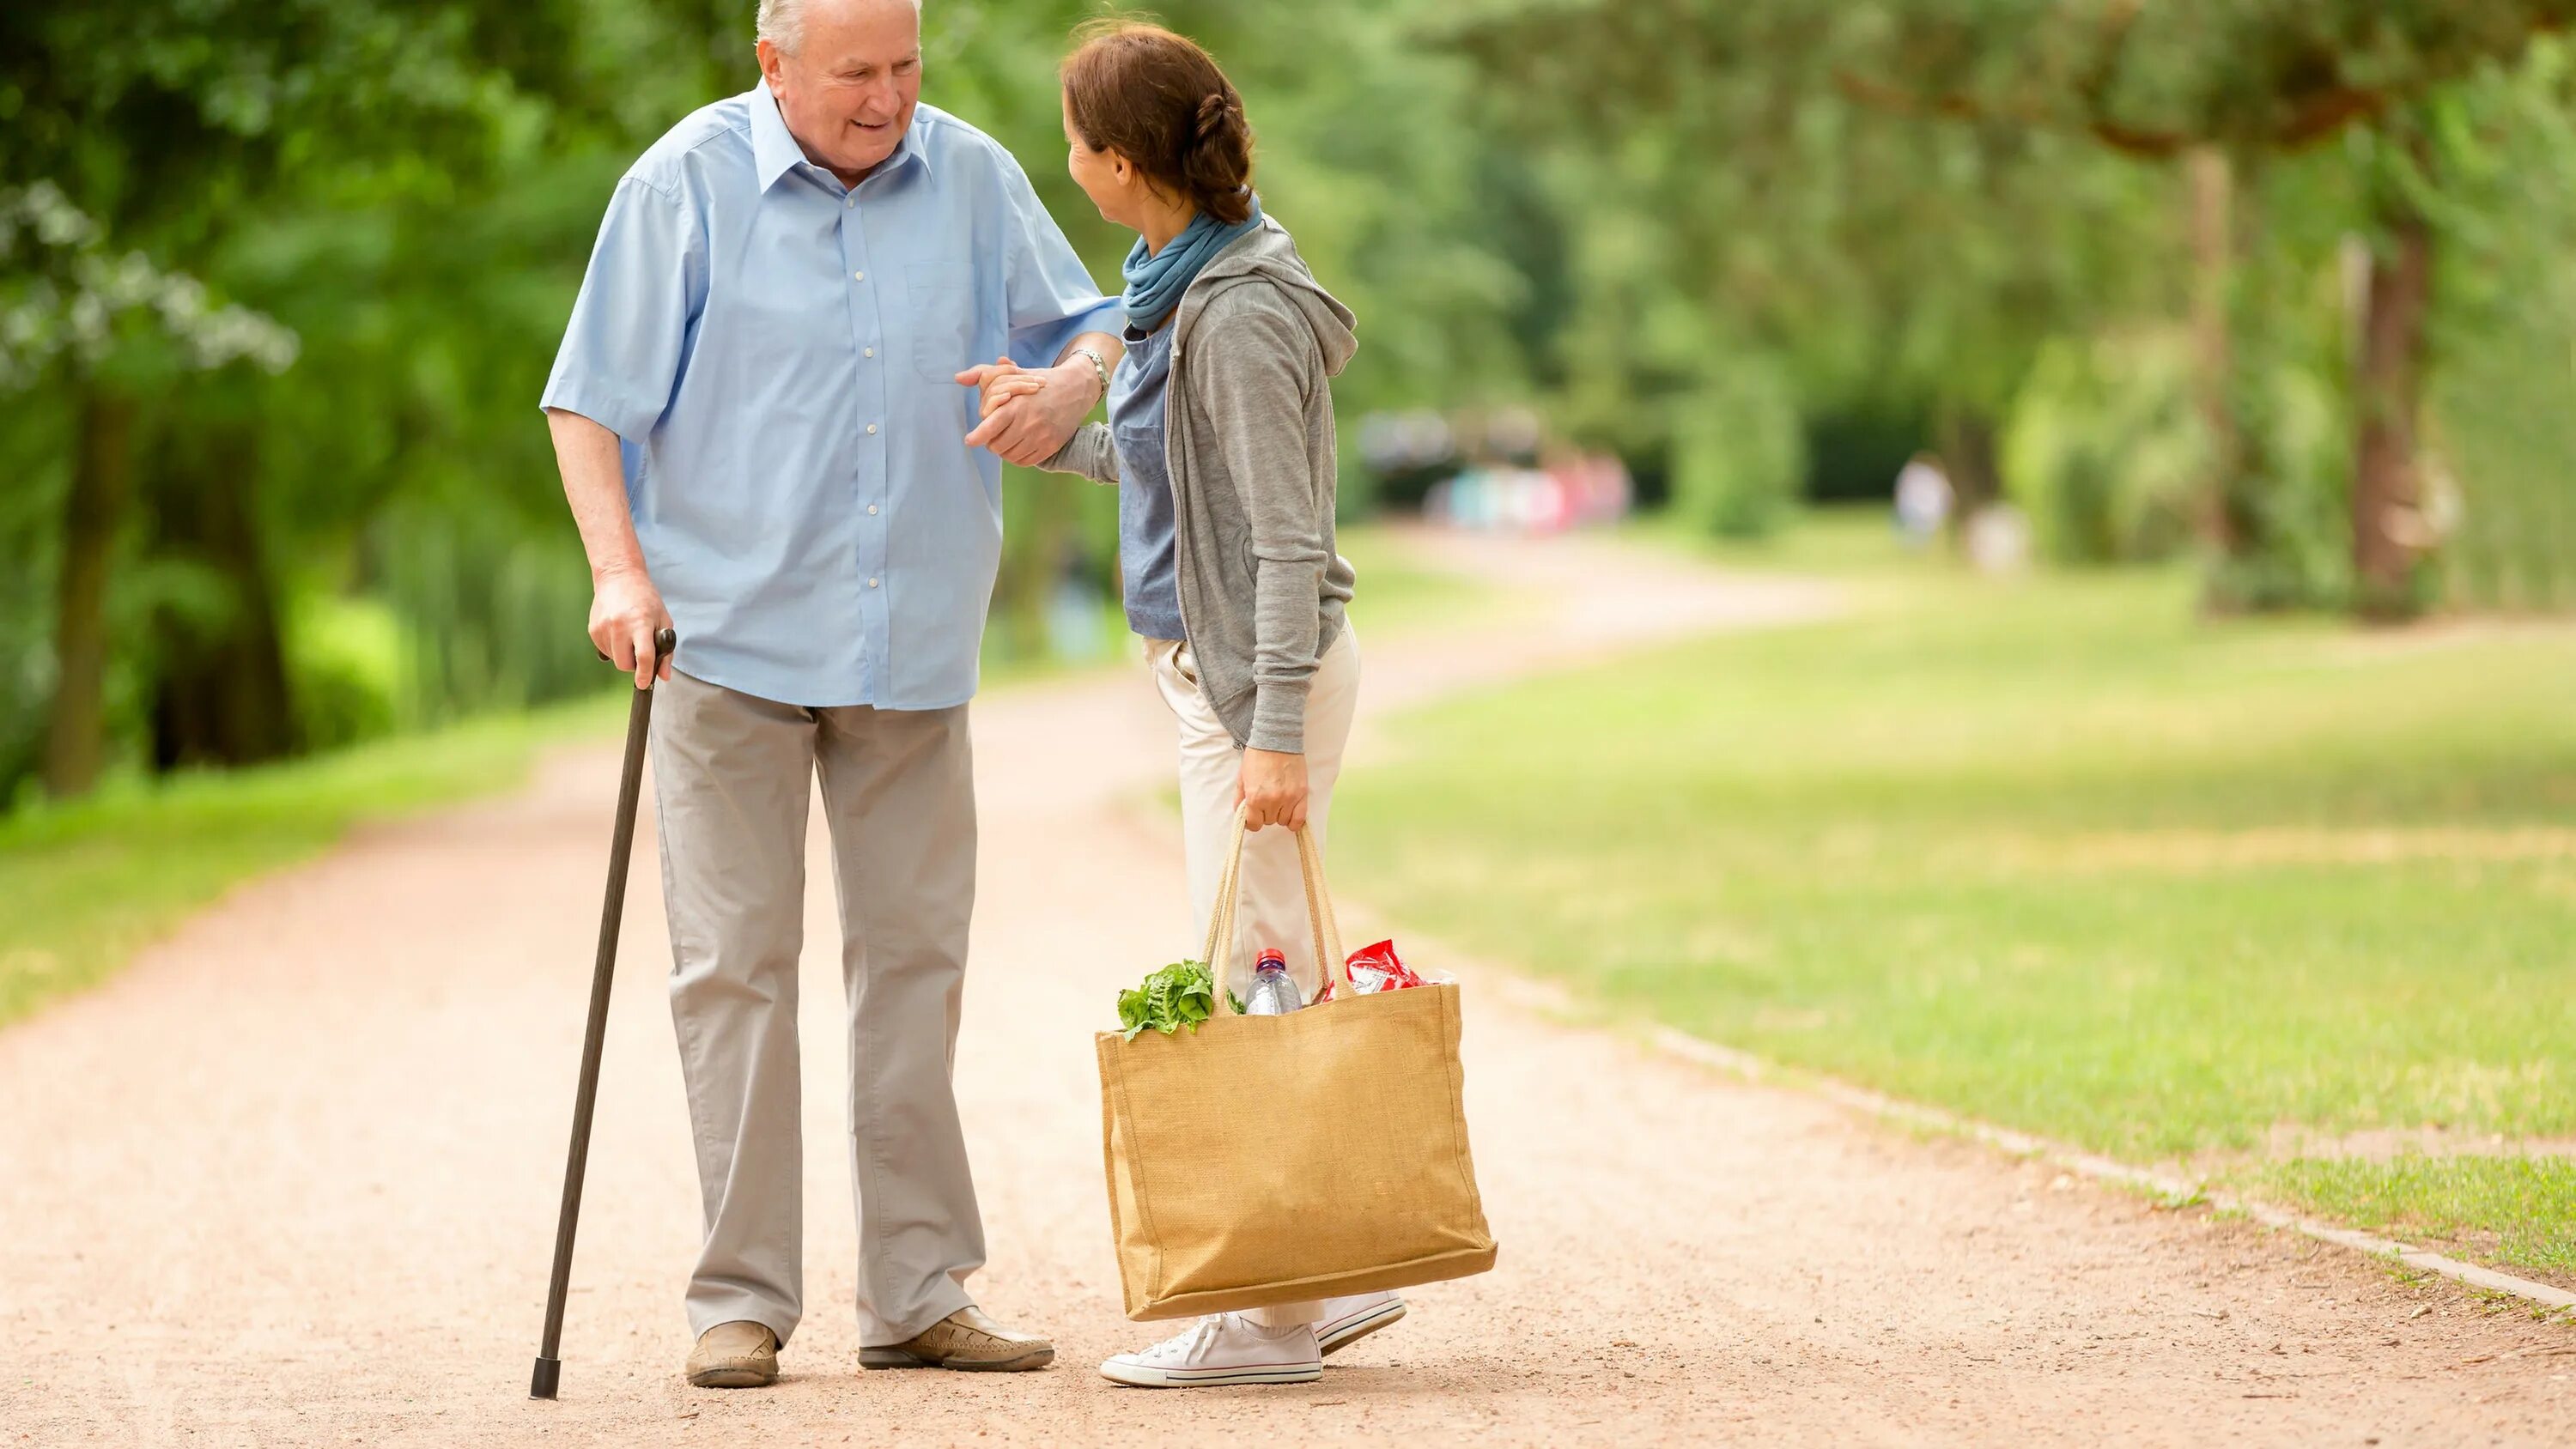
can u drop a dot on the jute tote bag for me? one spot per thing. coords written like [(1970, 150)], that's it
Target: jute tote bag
[(1272, 1159)]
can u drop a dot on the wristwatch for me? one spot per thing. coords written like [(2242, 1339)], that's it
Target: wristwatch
[(1099, 368)]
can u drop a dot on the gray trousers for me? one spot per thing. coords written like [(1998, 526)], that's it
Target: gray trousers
[(733, 776)]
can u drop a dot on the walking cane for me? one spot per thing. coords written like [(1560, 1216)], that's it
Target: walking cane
[(639, 715)]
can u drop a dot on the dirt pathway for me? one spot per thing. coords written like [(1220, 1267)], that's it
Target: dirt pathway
[(290, 1179)]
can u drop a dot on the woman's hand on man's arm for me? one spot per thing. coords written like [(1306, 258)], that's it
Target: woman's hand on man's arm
[(1028, 414), (1003, 384), (996, 383)]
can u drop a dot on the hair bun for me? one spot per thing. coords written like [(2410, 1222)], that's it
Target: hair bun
[(1214, 111)]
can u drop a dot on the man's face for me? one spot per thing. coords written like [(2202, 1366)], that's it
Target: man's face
[(848, 92)]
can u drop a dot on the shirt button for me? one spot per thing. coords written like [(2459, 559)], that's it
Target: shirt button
[(872, 429), (850, 200), (858, 276), (872, 583), (872, 510), (870, 351)]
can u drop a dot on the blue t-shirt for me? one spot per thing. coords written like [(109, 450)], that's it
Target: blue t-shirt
[(1145, 518)]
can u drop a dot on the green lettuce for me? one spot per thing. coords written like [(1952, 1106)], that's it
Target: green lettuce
[(1181, 994)]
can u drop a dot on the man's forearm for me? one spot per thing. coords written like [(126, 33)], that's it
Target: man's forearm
[(594, 482)]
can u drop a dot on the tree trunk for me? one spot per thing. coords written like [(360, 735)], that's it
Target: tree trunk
[(2388, 532), (222, 697), (2213, 267), (1966, 438), (102, 478)]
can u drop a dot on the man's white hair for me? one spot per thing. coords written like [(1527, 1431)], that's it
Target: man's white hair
[(782, 23)]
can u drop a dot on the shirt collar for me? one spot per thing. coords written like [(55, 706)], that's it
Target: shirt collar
[(774, 151)]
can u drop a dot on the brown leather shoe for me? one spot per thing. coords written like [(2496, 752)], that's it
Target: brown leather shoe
[(737, 1355), (965, 1339)]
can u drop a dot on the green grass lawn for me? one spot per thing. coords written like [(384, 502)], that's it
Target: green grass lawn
[(2060, 855), (2510, 1210), (92, 881)]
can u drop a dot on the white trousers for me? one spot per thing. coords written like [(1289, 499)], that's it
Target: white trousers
[(1272, 908)]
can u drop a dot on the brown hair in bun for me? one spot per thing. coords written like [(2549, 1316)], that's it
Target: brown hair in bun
[(1159, 100)]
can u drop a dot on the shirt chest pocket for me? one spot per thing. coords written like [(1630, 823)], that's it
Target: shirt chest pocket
[(1141, 459), (940, 297)]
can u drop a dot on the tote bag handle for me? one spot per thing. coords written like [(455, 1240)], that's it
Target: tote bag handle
[(1327, 932)]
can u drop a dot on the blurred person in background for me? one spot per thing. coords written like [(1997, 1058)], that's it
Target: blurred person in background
[(756, 414), (1923, 499), (1220, 442)]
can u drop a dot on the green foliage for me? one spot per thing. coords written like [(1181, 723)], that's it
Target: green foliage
[(347, 659), (1374, 160), (2290, 499), (493, 609), (1725, 196), (2502, 434), (244, 178), (1738, 453), (1912, 201), (1182, 994), (2284, 493), (69, 299), (2105, 448), (33, 431), (2155, 77), (2108, 452)]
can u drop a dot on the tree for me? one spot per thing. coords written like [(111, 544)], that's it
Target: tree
[(78, 308), (1748, 86), (163, 129), (2210, 77), (2388, 376), (2497, 430), (1714, 162)]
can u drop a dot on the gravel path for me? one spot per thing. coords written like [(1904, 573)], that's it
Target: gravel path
[(290, 1179)]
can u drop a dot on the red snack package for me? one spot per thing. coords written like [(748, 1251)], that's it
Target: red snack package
[(1374, 969)]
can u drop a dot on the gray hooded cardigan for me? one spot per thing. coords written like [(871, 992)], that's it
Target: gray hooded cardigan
[(1249, 443)]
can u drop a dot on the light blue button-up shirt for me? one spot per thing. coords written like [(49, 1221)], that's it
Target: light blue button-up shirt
[(777, 354)]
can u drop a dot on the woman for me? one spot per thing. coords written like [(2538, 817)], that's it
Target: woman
[(1220, 442)]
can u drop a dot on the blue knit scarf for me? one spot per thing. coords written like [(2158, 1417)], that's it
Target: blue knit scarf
[(1156, 280)]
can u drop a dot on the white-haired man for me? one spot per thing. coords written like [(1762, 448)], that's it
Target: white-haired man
[(758, 417)]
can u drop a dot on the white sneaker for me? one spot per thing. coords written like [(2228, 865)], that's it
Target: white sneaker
[(1225, 1348), (1348, 1320)]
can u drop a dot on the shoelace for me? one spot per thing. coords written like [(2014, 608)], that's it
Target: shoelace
[(1182, 1345)]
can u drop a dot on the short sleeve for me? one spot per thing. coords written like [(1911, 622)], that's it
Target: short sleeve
[(620, 357), (1052, 299)]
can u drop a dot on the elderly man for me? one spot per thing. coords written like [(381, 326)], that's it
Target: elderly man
[(758, 416)]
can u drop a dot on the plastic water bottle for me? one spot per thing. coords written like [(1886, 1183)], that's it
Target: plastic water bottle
[(1274, 991)]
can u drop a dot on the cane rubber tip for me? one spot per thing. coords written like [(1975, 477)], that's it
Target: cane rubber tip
[(542, 1384)]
